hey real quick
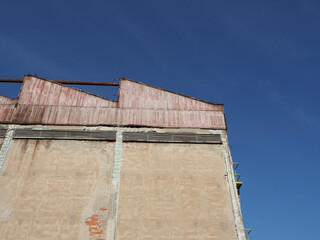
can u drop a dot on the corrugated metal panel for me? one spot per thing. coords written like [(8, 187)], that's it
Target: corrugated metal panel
[(138, 95), (6, 113), (36, 91), (44, 102), (5, 100), (65, 115)]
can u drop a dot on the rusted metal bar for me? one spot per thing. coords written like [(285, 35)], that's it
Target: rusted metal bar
[(11, 80), (66, 82)]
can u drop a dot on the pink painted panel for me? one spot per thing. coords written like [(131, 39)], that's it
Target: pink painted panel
[(66, 115), (138, 95), (6, 100), (43, 102), (68, 96), (25, 95), (45, 95), (36, 91), (54, 94), (6, 111)]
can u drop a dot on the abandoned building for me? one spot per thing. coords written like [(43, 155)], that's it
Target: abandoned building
[(152, 165)]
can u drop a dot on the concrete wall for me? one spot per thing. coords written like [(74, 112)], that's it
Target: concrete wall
[(55, 189), (174, 191)]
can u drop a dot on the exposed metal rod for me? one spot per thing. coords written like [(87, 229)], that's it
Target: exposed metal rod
[(66, 82)]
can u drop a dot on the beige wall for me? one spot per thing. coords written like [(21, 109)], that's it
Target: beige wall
[(60, 190), (54, 189), (174, 191)]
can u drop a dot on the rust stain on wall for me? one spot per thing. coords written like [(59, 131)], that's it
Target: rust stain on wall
[(52, 187)]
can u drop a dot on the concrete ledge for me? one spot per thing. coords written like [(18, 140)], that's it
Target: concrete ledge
[(149, 136), (66, 135), (170, 137)]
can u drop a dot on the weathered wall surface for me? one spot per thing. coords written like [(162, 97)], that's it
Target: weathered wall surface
[(45, 102), (174, 191), (55, 190), (5, 100), (36, 91), (68, 115), (137, 95)]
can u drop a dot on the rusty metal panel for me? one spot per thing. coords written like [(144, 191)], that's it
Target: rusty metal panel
[(6, 113), (36, 91), (44, 102), (6, 100), (66, 115), (55, 189), (54, 94), (138, 95)]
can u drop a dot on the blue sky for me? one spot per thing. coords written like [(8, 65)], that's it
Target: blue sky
[(259, 58)]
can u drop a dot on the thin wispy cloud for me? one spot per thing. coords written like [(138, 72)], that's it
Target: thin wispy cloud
[(298, 112), (307, 118)]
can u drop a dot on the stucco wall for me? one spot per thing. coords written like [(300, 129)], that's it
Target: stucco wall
[(174, 191), (55, 189), (61, 189)]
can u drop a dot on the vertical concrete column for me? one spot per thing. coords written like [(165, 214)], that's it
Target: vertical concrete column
[(232, 188), (115, 184), (5, 146)]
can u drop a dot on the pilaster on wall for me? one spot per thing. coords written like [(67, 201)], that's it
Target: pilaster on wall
[(6, 145), (115, 185)]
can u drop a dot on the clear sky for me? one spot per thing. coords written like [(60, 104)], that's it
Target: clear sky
[(259, 58)]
